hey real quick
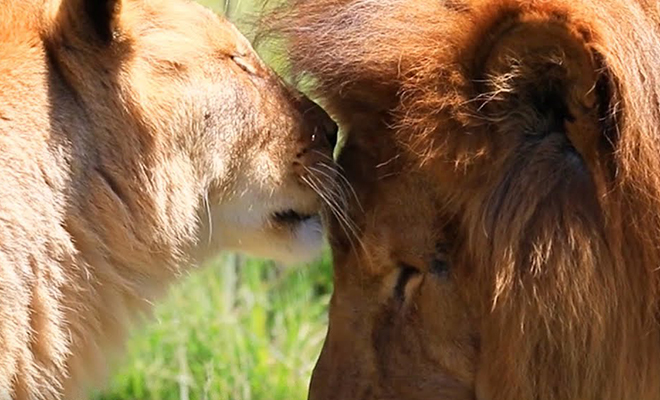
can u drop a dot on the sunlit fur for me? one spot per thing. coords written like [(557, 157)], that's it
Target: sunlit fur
[(520, 140), (137, 138)]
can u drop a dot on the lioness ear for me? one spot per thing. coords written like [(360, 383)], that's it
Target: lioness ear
[(101, 16), (90, 21)]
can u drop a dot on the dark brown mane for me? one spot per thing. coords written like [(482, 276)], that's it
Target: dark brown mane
[(564, 265)]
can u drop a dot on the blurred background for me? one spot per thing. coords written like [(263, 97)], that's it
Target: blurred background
[(237, 329)]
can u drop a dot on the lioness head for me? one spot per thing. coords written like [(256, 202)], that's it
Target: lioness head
[(183, 84), (136, 138), (505, 159)]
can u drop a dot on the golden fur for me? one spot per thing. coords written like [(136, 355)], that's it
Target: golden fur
[(506, 160), (136, 139)]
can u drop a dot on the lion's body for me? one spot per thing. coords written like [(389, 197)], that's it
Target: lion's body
[(506, 158), (122, 161)]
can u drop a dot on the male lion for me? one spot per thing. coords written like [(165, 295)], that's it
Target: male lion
[(506, 159), (136, 138)]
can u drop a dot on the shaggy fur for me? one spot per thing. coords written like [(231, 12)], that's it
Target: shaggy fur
[(506, 159), (136, 139)]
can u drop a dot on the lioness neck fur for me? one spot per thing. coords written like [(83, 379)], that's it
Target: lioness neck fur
[(136, 139)]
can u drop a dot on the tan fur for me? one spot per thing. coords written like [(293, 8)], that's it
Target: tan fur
[(517, 142), (128, 153)]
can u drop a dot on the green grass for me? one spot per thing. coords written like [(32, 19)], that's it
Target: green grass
[(238, 329)]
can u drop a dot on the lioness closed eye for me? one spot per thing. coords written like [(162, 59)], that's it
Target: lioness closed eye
[(136, 138)]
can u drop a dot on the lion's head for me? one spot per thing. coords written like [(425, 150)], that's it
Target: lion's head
[(505, 159)]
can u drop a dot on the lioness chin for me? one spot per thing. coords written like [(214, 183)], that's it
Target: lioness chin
[(137, 138)]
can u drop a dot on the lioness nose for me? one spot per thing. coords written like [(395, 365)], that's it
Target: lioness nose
[(324, 127), (330, 128)]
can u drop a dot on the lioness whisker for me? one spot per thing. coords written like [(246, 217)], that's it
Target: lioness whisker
[(330, 198), (341, 194), (327, 157), (345, 222), (207, 206), (335, 190), (347, 184), (329, 203)]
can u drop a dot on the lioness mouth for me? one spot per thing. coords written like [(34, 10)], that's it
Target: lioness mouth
[(291, 217)]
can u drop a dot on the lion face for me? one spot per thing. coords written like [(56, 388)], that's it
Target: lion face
[(399, 325), (488, 252)]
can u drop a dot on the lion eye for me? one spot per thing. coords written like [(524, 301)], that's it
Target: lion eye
[(440, 264), (406, 273)]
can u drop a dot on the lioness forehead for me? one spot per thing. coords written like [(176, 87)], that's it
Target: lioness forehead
[(196, 27), (151, 20)]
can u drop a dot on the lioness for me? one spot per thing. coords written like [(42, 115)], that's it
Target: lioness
[(505, 156), (136, 139)]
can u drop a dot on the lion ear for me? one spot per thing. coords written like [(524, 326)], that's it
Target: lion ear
[(542, 72)]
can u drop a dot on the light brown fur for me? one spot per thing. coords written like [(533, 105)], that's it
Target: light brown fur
[(506, 158), (137, 138)]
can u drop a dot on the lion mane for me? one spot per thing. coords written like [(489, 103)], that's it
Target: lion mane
[(536, 126)]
